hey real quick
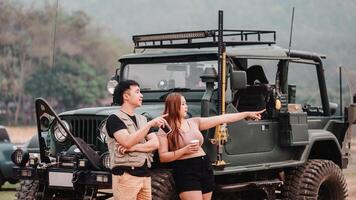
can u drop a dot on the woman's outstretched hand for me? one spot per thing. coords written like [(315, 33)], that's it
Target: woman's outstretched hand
[(255, 115)]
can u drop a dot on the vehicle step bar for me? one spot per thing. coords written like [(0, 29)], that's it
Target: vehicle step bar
[(268, 186)]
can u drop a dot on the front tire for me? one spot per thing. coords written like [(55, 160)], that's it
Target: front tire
[(163, 187), (27, 190), (315, 180)]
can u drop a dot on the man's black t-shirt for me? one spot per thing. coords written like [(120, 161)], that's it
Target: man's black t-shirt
[(113, 124)]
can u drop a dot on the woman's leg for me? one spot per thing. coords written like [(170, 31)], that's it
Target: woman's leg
[(189, 195), (207, 196)]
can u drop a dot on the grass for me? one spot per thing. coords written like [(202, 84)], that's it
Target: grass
[(8, 191)]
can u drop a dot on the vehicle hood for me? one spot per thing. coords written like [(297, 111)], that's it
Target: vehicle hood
[(153, 110)]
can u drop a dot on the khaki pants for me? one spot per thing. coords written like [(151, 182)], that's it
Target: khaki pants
[(128, 187)]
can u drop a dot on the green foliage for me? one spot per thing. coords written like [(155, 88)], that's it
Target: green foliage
[(70, 83), (84, 58)]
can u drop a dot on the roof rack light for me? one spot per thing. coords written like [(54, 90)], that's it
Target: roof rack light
[(171, 36)]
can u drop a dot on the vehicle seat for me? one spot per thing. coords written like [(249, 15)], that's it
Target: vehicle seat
[(253, 98), (256, 95), (255, 73)]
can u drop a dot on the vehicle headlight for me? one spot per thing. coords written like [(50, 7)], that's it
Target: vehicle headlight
[(102, 130), (112, 83), (20, 157), (59, 133), (45, 121), (105, 160), (103, 136)]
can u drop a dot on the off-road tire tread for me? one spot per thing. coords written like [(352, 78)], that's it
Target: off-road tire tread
[(163, 187), (304, 181), (27, 190)]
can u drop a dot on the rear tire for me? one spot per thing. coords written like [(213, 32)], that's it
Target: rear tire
[(27, 190), (315, 180), (163, 187)]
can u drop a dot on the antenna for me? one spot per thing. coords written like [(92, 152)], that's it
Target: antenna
[(282, 98), (340, 90), (291, 33), (54, 36)]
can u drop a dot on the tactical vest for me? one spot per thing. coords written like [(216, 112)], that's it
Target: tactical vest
[(131, 159)]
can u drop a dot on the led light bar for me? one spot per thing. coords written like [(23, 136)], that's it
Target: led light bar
[(172, 36)]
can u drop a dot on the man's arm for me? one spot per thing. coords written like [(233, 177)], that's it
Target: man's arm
[(149, 146), (128, 140)]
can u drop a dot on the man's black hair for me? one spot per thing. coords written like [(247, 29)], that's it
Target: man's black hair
[(120, 89)]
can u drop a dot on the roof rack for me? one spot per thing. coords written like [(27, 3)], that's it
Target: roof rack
[(204, 39)]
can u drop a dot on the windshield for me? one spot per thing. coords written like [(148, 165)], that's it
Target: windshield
[(165, 76)]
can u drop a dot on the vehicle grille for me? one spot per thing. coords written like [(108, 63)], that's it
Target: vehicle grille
[(85, 127)]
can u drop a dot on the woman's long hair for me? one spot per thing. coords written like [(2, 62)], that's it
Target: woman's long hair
[(172, 107)]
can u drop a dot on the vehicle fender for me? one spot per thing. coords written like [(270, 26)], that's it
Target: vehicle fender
[(322, 145), (6, 163), (32, 145)]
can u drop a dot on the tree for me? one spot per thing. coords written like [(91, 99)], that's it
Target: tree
[(83, 57), (69, 84)]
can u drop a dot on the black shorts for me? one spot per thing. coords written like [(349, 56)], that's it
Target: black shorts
[(193, 174)]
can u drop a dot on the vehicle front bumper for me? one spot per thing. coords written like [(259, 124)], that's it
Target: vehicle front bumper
[(65, 178)]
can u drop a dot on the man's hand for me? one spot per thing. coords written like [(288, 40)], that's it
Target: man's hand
[(124, 150), (158, 121), (149, 146)]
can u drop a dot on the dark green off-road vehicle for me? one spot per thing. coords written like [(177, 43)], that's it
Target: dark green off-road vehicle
[(297, 150)]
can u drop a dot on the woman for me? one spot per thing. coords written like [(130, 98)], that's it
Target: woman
[(192, 169)]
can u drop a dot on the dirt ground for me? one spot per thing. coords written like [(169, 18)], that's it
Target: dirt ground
[(350, 172), (20, 135)]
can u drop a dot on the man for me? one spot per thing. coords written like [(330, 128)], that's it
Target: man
[(130, 142)]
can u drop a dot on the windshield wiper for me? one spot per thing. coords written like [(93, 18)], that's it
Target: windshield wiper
[(177, 89)]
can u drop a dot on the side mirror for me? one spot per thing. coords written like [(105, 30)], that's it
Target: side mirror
[(238, 80), (333, 108), (112, 83), (209, 75)]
